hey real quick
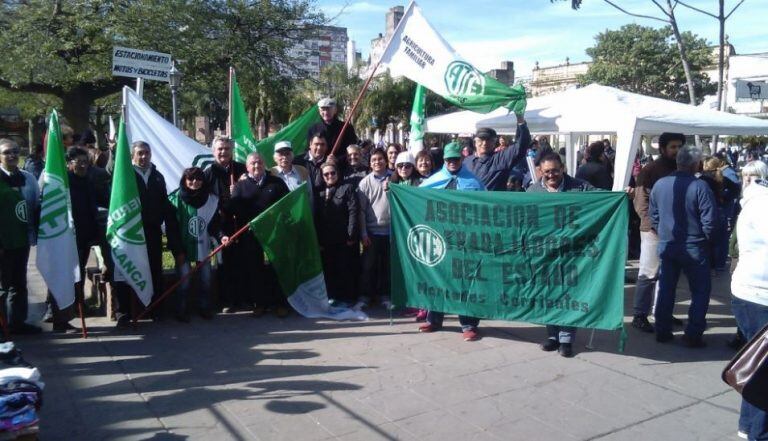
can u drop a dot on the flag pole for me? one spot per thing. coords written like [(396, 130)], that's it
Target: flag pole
[(189, 274), (365, 86), (229, 127), (82, 318)]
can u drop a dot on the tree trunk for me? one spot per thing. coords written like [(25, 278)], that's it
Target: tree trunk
[(720, 65), (76, 108), (683, 60)]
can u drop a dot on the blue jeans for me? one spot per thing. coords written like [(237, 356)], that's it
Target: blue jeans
[(562, 334), (436, 319), (751, 317), (692, 259), (203, 288)]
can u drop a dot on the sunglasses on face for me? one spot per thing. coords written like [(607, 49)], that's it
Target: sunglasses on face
[(10, 152), (405, 165), (194, 179)]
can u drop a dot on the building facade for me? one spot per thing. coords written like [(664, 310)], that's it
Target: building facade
[(327, 47), (547, 80)]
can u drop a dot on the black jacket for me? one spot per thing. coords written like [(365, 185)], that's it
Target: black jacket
[(314, 170), (219, 178), (596, 174), (157, 210), (84, 198), (336, 214), (332, 131), (251, 198)]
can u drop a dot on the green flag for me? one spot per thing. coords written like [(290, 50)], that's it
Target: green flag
[(57, 258), (416, 139), (125, 229), (240, 132), (295, 132), (417, 51), (286, 232), (553, 258)]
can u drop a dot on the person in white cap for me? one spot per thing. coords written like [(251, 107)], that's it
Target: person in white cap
[(292, 175), (331, 125), (405, 171)]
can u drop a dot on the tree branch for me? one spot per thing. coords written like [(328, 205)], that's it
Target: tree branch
[(32, 87), (734, 9), (661, 8), (633, 14), (699, 10)]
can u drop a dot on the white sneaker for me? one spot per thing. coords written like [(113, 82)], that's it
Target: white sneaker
[(359, 306), (387, 305), (742, 435)]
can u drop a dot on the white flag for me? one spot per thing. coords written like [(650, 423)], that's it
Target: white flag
[(57, 258)]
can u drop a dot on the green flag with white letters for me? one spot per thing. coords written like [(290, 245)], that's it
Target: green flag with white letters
[(240, 132), (56, 247), (125, 229)]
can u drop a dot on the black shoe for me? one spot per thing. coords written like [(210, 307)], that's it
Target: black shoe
[(693, 342), (641, 323), (25, 329), (123, 322), (206, 314), (676, 321), (550, 345), (64, 328), (736, 342), (566, 350), (664, 338), (183, 318), (229, 310)]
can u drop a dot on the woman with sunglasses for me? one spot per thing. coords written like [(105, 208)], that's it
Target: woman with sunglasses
[(337, 224), (405, 171), (197, 212)]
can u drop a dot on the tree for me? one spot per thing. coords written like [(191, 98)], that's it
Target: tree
[(63, 49), (644, 60)]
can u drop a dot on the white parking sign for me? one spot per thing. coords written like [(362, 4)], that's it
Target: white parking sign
[(137, 63)]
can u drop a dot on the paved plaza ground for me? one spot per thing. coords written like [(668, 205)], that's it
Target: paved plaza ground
[(242, 378)]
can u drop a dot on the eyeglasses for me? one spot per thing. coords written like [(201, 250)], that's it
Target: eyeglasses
[(404, 165), (79, 161), (10, 152), (554, 172), (194, 178), (332, 173)]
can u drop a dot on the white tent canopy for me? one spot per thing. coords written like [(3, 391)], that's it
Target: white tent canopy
[(602, 109)]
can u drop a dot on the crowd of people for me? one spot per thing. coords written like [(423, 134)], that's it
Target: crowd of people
[(685, 208)]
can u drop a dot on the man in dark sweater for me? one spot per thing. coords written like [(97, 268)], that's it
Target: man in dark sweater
[(331, 126), (664, 165), (251, 196), (683, 212), (221, 177), (594, 170), (493, 168), (156, 210)]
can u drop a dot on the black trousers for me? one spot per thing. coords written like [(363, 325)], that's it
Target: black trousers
[(339, 272), (13, 284)]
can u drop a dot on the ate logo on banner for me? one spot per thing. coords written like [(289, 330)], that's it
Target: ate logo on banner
[(426, 245), (53, 212), (21, 211), (196, 226), (462, 78), (128, 218)]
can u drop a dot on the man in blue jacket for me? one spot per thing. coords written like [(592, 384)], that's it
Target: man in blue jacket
[(493, 168), (453, 176), (682, 212)]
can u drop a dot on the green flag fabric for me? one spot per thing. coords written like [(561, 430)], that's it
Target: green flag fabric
[(417, 51), (295, 132), (286, 232), (416, 138), (57, 258), (552, 258), (240, 132), (125, 228)]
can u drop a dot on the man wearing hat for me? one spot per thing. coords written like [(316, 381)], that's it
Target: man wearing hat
[(332, 127), (493, 168), (453, 176), (292, 175)]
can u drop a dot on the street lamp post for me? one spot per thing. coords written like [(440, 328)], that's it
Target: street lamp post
[(174, 77)]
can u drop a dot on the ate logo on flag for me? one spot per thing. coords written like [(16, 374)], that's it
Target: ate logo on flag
[(130, 230), (21, 211), (462, 78), (196, 226), (426, 245), (53, 212)]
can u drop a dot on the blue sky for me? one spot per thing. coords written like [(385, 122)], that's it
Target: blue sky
[(486, 32)]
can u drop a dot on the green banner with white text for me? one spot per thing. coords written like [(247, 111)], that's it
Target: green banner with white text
[(548, 258)]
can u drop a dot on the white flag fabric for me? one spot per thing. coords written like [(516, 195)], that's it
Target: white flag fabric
[(172, 150), (57, 258), (417, 51)]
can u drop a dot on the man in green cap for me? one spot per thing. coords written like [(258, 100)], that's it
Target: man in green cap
[(453, 176)]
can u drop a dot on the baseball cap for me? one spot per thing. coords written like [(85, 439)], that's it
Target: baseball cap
[(326, 102), (283, 145), (404, 158), (485, 133), (452, 150)]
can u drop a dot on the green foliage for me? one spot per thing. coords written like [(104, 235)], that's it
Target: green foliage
[(646, 60), (63, 49)]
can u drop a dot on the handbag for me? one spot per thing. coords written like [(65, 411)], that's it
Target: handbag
[(748, 371)]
